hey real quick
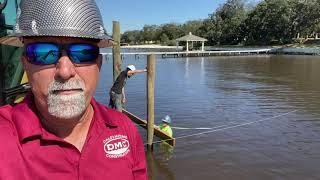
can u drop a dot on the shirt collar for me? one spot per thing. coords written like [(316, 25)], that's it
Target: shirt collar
[(28, 124), (25, 118), (102, 113)]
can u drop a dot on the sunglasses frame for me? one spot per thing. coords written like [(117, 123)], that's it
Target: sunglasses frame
[(62, 47)]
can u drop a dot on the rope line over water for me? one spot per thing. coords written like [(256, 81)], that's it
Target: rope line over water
[(225, 127), (190, 128)]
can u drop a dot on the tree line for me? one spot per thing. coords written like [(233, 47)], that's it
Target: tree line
[(237, 22)]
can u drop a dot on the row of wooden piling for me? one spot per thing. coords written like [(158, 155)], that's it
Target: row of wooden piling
[(151, 67)]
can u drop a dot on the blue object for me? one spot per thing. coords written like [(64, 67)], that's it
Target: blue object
[(167, 119), (50, 53)]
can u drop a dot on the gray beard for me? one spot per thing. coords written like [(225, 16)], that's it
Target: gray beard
[(66, 106)]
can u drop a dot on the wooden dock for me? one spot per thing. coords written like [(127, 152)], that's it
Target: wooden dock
[(194, 53)]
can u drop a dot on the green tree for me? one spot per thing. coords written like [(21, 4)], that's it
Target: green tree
[(269, 22), (306, 16), (192, 26), (222, 26), (149, 32), (172, 31), (164, 39), (132, 37), (234, 22), (231, 16), (208, 31)]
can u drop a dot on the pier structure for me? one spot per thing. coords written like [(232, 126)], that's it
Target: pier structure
[(180, 54)]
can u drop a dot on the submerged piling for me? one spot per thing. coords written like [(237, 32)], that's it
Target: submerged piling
[(151, 64)]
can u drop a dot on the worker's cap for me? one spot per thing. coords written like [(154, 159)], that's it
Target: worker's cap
[(66, 18), (166, 119), (131, 67)]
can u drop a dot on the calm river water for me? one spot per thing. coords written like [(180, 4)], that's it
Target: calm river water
[(261, 114)]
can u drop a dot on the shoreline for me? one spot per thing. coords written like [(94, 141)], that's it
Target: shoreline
[(285, 50)]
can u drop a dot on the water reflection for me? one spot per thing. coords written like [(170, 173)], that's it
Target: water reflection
[(186, 68), (158, 168), (218, 91), (202, 71), (165, 152)]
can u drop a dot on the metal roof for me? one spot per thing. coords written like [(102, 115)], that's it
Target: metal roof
[(191, 37)]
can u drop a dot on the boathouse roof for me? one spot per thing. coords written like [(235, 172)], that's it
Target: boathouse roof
[(191, 37)]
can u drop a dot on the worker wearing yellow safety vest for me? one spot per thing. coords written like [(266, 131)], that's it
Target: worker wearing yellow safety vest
[(166, 125)]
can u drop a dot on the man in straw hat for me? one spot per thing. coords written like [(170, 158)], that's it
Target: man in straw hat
[(59, 131)]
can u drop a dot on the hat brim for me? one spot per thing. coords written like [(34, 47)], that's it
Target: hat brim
[(163, 120), (106, 43), (104, 39), (15, 41)]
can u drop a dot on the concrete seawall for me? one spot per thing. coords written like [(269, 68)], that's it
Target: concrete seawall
[(296, 51)]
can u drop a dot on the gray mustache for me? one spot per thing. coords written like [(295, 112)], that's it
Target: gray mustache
[(73, 84)]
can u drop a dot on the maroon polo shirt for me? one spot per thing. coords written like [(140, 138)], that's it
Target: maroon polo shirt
[(113, 148)]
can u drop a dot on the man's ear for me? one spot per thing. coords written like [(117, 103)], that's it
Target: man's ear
[(99, 61)]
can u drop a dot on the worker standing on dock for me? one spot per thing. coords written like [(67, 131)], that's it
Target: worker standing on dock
[(59, 131), (117, 94)]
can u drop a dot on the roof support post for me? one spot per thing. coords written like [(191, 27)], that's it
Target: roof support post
[(187, 48), (202, 48), (191, 45)]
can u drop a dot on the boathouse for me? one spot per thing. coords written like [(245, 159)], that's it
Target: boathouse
[(191, 38)]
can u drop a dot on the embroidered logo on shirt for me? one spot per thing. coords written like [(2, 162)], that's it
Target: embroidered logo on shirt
[(116, 146)]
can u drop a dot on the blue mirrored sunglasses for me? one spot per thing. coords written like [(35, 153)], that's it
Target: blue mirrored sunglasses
[(50, 53)]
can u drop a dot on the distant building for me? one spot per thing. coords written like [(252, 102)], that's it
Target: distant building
[(191, 38)]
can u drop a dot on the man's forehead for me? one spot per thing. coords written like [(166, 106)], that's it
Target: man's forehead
[(58, 40)]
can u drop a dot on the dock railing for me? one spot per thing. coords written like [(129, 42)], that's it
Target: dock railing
[(195, 53)]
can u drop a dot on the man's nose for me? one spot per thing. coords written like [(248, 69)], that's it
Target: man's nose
[(65, 69)]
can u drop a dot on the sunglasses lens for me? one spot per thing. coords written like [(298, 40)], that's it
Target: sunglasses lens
[(83, 53), (42, 53)]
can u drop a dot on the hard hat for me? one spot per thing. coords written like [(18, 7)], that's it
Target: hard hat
[(167, 119), (67, 18), (131, 67)]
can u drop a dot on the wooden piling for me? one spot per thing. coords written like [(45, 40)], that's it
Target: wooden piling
[(151, 64), (116, 50)]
